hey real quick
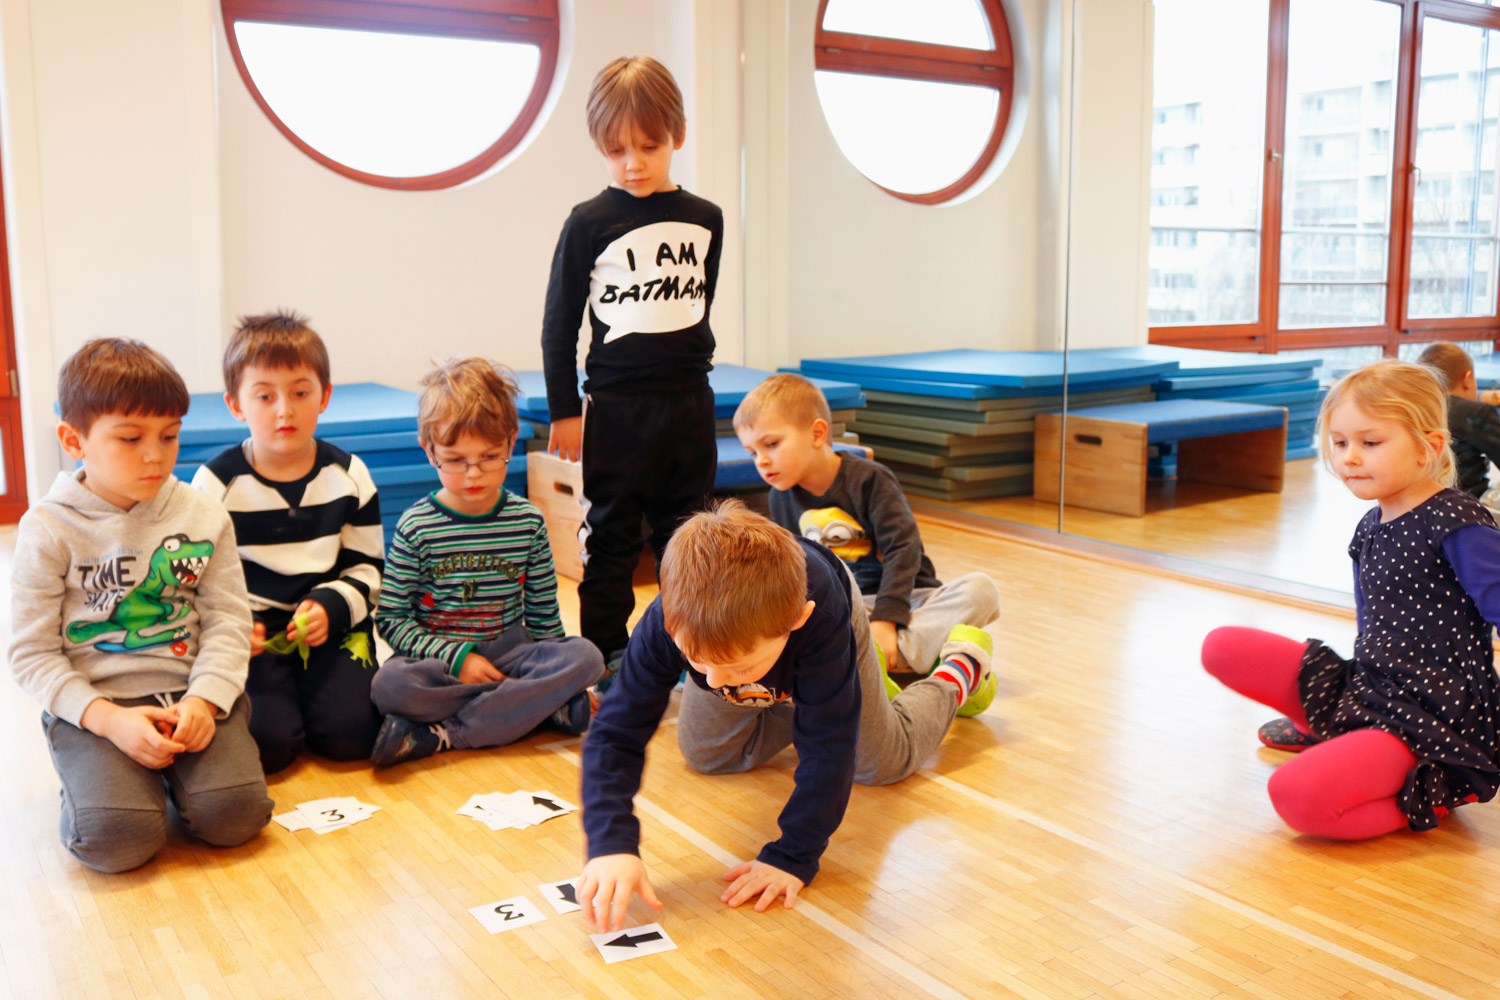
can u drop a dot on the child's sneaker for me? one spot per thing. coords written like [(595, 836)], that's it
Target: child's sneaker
[(401, 740), (891, 687), (1280, 734), (574, 715), (611, 667), (978, 646)]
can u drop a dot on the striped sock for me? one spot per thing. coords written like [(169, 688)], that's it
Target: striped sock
[(962, 671)]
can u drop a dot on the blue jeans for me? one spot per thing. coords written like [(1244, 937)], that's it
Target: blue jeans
[(540, 677)]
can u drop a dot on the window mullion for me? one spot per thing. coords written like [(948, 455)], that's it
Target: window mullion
[(1275, 160)]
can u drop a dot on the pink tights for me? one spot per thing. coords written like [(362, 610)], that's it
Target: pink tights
[(1344, 788)]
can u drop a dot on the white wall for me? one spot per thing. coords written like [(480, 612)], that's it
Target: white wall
[(1111, 173), (112, 187), (848, 269), (147, 195), (394, 279)]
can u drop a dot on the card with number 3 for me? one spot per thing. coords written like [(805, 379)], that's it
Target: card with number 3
[(507, 914)]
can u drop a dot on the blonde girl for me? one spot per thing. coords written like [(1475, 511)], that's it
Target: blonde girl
[(1407, 728)]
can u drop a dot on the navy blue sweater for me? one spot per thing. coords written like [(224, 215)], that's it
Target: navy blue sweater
[(818, 670)]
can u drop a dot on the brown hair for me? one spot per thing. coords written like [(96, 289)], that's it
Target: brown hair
[(467, 396), (637, 91), (1399, 391), (785, 395), (280, 339), (729, 579), (1449, 359), (118, 375)]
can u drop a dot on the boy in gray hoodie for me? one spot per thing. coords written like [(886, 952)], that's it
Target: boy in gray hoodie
[(131, 624)]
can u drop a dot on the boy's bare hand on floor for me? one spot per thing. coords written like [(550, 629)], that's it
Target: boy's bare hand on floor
[(605, 888), (758, 878)]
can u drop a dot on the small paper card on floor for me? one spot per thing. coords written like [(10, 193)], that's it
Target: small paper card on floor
[(515, 810), (327, 815), (507, 914), (562, 895), (620, 946), (541, 806)]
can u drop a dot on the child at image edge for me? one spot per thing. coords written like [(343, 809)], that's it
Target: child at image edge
[(856, 508), (308, 524), (469, 603), (776, 644), (131, 624), (643, 257), (1408, 726)]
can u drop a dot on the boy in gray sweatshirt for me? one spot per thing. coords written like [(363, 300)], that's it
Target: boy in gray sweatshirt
[(131, 625)]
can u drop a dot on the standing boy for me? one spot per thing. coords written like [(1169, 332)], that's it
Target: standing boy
[(856, 508), (131, 624), (470, 598), (643, 256), (776, 644), (308, 524)]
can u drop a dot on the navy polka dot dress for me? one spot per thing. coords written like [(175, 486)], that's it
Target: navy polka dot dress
[(1423, 663)]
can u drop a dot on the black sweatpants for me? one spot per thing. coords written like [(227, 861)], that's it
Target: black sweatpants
[(324, 706), (643, 456)]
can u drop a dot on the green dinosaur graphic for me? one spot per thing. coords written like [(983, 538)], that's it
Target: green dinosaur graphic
[(178, 562), (357, 644)]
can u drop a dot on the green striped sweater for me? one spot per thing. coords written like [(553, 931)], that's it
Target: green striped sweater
[(453, 580)]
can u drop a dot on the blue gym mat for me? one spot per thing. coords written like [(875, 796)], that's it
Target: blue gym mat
[(357, 408), (1031, 370), (1180, 419), (1194, 362), (1171, 383), (730, 384)]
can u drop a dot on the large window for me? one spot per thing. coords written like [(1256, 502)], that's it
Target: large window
[(413, 94), (917, 94), (1348, 198)]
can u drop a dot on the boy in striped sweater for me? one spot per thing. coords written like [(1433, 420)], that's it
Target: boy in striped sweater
[(469, 603), (307, 524)]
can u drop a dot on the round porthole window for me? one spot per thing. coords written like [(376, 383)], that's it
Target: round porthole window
[(420, 94), (917, 93)]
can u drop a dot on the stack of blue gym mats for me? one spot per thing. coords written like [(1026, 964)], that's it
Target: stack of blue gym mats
[(730, 384), (960, 424), (1236, 377), (376, 422)]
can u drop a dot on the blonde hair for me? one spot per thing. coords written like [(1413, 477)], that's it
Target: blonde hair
[(729, 579), (1399, 391), (638, 91), (1452, 361), (467, 396), (786, 395)]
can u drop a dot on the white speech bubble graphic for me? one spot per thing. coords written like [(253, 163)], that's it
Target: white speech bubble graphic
[(651, 280)]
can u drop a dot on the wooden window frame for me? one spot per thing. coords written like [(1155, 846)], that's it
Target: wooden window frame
[(1264, 335), (874, 55), (13, 501), (530, 21)]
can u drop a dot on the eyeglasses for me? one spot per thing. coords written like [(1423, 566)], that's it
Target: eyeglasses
[(460, 466)]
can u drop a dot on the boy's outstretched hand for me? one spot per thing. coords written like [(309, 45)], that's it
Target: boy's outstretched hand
[(605, 888), (757, 877)]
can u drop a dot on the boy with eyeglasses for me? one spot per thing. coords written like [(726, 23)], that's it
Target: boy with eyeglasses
[(469, 600)]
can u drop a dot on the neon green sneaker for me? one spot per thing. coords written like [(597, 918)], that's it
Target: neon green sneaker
[(976, 643), (891, 687)]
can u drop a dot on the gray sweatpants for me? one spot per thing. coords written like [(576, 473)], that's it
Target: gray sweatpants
[(896, 736), (114, 811), (972, 599), (540, 676)]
